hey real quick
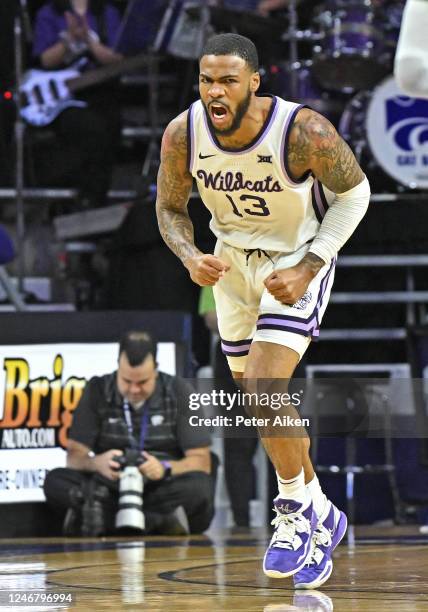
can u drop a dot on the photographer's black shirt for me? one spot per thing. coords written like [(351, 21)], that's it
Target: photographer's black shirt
[(99, 419)]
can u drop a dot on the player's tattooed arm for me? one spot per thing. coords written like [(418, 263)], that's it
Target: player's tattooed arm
[(315, 146), (313, 263), (173, 190), (174, 187)]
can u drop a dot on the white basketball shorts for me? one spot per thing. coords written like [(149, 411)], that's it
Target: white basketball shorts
[(248, 313)]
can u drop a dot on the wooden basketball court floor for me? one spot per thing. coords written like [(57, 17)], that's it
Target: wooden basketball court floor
[(376, 570)]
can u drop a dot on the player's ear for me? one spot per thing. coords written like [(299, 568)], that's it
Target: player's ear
[(254, 82)]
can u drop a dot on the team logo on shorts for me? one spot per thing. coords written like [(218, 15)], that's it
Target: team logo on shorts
[(304, 301)]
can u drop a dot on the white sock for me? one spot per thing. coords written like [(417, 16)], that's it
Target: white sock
[(294, 489), (319, 499)]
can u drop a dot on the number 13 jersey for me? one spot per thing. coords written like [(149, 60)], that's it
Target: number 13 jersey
[(253, 200)]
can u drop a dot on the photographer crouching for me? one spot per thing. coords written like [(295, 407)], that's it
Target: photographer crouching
[(134, 464)]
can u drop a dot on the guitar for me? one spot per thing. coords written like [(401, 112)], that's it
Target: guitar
[(45, 94)]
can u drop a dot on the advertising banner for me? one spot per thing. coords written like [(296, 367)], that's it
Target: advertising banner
[(40, 387)]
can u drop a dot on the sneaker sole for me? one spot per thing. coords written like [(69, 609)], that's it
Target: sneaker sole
[(341, 528), (277, 574), (319, 581)]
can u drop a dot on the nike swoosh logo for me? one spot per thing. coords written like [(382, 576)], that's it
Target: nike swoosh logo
[(206, 156)]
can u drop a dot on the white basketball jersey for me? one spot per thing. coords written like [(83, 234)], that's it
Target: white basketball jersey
[(252, 198)]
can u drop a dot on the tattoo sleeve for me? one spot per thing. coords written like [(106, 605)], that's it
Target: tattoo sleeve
[(315, 145), (173, 190), (313, 262)]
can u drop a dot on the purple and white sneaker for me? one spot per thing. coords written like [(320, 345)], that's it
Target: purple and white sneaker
[(326, 537), (291, 542)]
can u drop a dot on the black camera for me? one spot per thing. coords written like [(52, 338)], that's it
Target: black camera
[(131, 458)]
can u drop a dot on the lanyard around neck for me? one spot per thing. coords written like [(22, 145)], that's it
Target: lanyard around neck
[(144, 422)]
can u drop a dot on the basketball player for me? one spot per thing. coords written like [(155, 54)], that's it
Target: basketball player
[(285, 193), (411, 59)]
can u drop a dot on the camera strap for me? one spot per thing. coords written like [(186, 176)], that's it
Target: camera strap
[(144, 422)]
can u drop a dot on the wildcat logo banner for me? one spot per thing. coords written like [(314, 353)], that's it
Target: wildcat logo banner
[(397, 130)]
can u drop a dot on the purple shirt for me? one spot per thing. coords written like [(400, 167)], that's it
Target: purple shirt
[(49, 24)]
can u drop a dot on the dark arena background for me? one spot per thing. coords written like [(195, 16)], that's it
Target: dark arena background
[(82, 261)]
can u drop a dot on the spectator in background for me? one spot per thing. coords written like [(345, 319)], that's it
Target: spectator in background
[(411, 59), (265, 7), (67, 31), (138, 408)]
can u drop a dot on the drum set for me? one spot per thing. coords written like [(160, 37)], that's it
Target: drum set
[(341, 66)]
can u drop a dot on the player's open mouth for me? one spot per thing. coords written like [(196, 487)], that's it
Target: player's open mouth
[(218, 113)]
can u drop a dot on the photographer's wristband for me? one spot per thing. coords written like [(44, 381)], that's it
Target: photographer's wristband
[(91, 456), (168, 470)]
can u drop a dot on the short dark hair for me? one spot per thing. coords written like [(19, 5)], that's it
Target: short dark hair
[(137, 345), (233, 44)]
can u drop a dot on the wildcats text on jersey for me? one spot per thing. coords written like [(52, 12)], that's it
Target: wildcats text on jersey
[(235, 181)]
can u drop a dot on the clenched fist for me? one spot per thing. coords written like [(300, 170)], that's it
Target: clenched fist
[(206, 270), (289, 285)]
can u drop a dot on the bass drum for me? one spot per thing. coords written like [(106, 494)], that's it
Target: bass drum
[(352, 53), (295, 82), (388, 131)]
